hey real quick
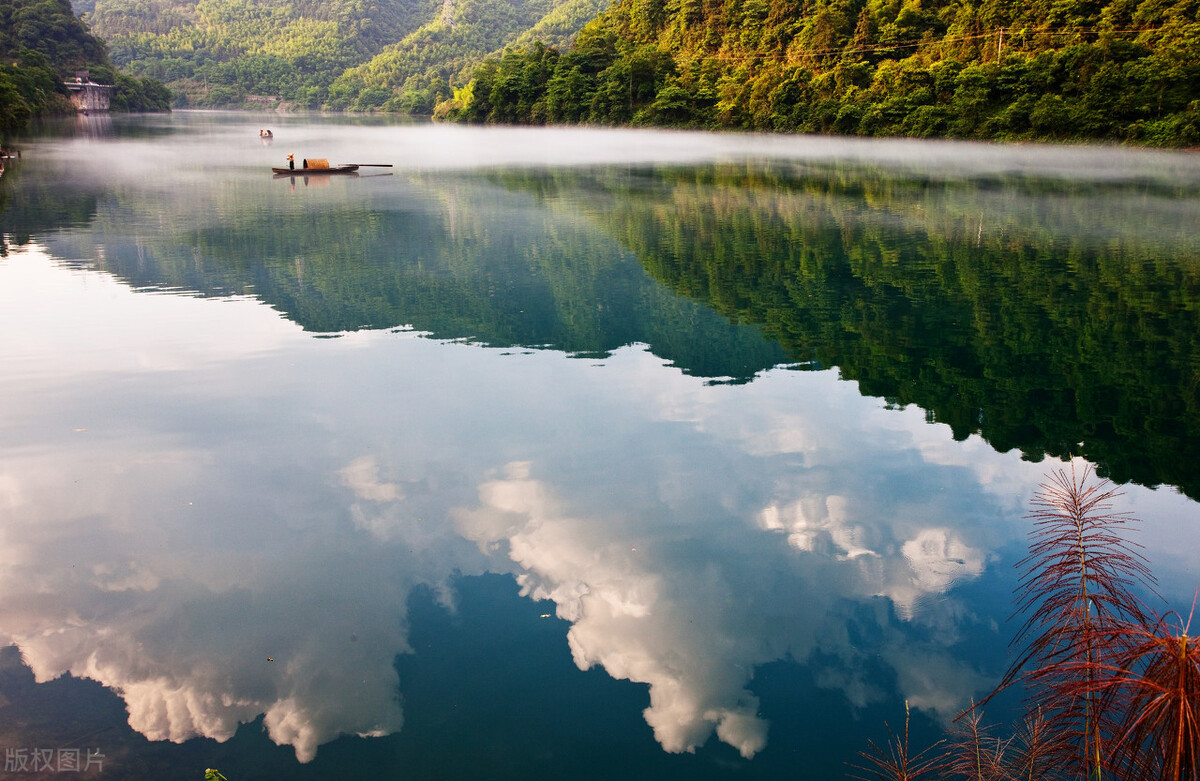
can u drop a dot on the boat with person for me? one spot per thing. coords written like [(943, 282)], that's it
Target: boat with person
[(310, 166), (341, 169)]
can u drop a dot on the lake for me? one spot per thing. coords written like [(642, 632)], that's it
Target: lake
[(557, 453)]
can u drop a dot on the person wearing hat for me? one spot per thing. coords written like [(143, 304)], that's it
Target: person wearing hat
[(292, 162)]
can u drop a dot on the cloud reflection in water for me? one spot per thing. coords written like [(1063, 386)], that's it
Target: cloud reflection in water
[(752, 551), (178, 508)]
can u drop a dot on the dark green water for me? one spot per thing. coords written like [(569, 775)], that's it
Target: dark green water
[(557, 453)]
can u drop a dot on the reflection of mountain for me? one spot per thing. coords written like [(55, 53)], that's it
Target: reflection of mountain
[(40, 208), (476, 266), (1057, 321)]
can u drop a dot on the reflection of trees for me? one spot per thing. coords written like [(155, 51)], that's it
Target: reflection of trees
[(5, 200), (40, 208), (1053, 319), (481, 270), (1054, 322)]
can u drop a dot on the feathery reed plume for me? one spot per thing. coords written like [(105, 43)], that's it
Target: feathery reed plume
[(1028, 754), (1031, 750), (972, 752), (1156, 694), (1076, 587), (1112, 691), (895, 762)]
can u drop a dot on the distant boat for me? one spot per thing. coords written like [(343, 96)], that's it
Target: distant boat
[(336, 169)]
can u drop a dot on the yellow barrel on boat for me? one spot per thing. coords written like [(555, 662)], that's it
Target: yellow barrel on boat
[(319, 164)]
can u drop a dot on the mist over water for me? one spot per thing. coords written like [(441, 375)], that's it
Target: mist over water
[(149, 143), (698, 452)]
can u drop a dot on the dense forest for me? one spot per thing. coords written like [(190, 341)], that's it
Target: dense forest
[(412, 76), (1124, 70), (1121, 70), (229, 52), (358, 55), (42, 42)]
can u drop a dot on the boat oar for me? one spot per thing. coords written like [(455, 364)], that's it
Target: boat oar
[(370, 165)]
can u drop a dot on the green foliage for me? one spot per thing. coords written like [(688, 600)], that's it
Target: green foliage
[(15, 111), (417, 72), (1125, 71), (351, 55), (218, 52), (50, 28), (601, 80), (28, 86), (41, 43), (135, 94)]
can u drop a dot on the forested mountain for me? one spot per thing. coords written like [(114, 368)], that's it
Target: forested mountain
[(1125, 70), (397, 55), (413, 74), (41, 43), (226, 52)]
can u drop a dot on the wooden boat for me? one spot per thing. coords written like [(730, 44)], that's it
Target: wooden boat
[(335, 169)]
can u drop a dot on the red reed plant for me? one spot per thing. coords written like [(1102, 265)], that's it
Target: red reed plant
[(1076, 587), (1114, 690), (973, 753), (896, 762), (1156, 692), (1030, 752)]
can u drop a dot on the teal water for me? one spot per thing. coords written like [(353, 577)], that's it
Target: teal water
[(557, 453)]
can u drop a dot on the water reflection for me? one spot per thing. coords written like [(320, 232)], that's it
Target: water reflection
[(969, 296), (220, 517), (188, 547), (188, 550)]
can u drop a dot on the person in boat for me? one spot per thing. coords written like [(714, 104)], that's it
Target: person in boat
[(292, 162)]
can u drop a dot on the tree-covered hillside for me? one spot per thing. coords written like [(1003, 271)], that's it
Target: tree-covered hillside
[(1126, 70), (41, 43), (225, 52), (412, 75), (396, 55)]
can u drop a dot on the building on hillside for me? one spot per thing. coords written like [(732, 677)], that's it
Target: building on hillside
[(87, 95)]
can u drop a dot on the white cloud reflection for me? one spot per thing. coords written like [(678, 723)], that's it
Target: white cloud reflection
[(289, 493), (753, 557)]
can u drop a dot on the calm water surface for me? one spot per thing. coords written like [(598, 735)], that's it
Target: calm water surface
[(557, 453)]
